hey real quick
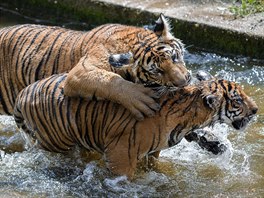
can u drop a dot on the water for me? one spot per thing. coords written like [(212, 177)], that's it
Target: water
[(182, 171)]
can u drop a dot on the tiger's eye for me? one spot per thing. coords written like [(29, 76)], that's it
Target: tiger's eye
[(238, 100), (157, 71)]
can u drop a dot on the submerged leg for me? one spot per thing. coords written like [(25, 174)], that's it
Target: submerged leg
[(121, 161)]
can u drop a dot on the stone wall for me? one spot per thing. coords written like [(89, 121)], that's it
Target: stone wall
[(94, 12)]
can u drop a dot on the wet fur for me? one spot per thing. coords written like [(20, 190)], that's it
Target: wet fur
[(32, 52), (58, 122)]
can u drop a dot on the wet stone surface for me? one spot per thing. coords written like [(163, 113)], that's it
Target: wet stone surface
[(205, 24), (215, 13)]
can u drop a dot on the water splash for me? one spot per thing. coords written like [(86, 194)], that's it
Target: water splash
[(185, 170)]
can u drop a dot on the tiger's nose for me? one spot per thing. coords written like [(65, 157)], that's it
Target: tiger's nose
[(185, 81), (254, 110)]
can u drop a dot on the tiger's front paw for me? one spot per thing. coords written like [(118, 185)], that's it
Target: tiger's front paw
[(214, 147), (139, 100)]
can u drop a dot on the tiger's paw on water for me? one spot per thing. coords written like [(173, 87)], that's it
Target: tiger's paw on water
[(207, 141), (214, 147)]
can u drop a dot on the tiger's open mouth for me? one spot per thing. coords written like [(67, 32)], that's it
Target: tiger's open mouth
[(241, 124)]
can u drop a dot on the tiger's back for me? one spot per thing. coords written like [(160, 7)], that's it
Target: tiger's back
[(62, 120), (32, 52)]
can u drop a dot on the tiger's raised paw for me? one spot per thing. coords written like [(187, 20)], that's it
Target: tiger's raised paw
[(214, 147), (139, 100)]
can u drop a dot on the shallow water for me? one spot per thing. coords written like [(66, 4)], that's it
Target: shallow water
[(182, 171)]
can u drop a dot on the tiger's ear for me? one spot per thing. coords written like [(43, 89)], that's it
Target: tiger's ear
[(120, 60), (162, 28), (212, 101)]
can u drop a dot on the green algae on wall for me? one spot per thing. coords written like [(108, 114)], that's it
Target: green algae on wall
[(219, 40), (88, 11)]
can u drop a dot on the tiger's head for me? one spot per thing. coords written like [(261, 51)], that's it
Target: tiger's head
[(234, 107), (156, 58), (238, 108)]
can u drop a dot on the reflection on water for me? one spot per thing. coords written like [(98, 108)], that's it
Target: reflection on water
[(183, 171)]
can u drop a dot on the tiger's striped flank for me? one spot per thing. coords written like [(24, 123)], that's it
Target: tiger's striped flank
[(57, 122)]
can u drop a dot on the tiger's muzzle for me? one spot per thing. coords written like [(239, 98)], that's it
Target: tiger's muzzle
[(184, 82), (241, 123)]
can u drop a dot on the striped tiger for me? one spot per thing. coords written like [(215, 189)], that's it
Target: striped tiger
[(57, 123), (93, 59)]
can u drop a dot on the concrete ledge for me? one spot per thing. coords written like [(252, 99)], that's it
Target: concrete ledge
[(208, 37)]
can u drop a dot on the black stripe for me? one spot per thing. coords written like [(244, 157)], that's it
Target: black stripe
[(3, 103), (84, 34), (131, 139), (50, 130), (68, 118), (119, 131), (8, 86), (48, 53), (216, 87), (124, 123), (17, 40), (54, 100), (120, 29), (99, 29), (114, 109), (58, 55), (229, 87), (73, 47), (63, 116), (78, 120), (151, 148), (86, 137), (159, 137), (27, 57), (176, 131), (42, 125), (93, 134)]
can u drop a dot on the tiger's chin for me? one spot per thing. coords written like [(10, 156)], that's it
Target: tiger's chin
[(240, 124)]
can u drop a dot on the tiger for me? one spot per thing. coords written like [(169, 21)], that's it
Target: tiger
[(93, 59), (55, 122)]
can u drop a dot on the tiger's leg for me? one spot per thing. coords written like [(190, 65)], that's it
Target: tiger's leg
[(149, 161), (122, 154), (88, 81), (152, 158), (120, 162), (214, 147)]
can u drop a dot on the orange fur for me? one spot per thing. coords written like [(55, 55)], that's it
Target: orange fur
[(58, 122), (32, 52)]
